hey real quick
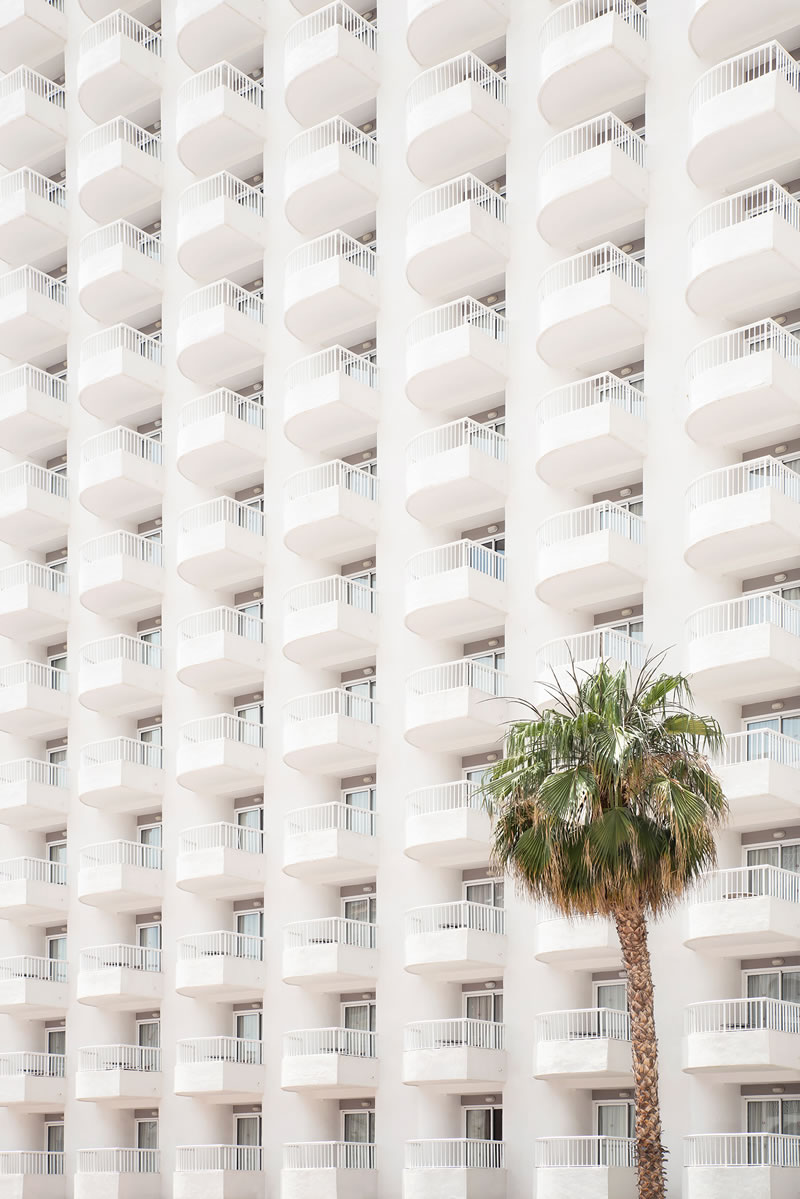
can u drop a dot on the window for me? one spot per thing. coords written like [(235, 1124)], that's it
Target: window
[(489, 891), (359, 1015), (785, 854), (359, 589), (251, 515), (771, 1116), (148, 1036), (247, 1132), (250, 925), (56, 1040), (759, 743), (358, 1127), (492, 659), (152, 637), (58, 668), (149, 834), (57, 954), (148, 937), (57, 761), (147, 1138), (484, 1005), (611, 995), (362, 798), (57, 852), (483, 557), (54, 1145), (253, 715), (361, 706), (247, 624), (772, 984), (359, 907), (359, 477), (247, 1026), (483, 1123), (615, 1119)]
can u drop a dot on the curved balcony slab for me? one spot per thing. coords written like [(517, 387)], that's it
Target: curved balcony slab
[(210, 31), (330, 64), (437, 29)]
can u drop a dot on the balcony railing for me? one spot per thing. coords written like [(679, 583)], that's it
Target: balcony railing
[(586, 647), (332, 474), (120, 24), (350, 1042), (218, 403), (584, 1024), (222, 835), (463, 673), (753, 475), (222, 620), (37, 1065), (726, 348), (577, 13), (335, 589), (467, 189), (32, 770), (456, 1154), (221, 1158), (120, 233), (124, 440), (120, 129), (46, 970), (746, 205), (328, 18), (27, 376), (122, 749), (24, 79), (121, 648), (743, 69), (38, 185), (334, 702), (742, 1149), (606, 130), (142, 1058), (604, 388), (457, 555), (330, 246), (459, 314), (33, 574), (748, 882), (222, 510), (223, 294), (33, 870), (222, 186), (222, 74), (445, 797), (464, 68), (760, 608), (743, 1015), (594, 518), (120, 957), (123, 544), (121, 853), (30, 278), (443, 917), (330, 930), (567, 1153), (335, 132), (28, 474), (239, 1050), (320, 818), (221, 943), (333, 361), (30, 1161), (329, 1155), (118, 1161), (223, 727), (34, 674), (607, 259), (453, 436), (454, 1034), (122, 338)]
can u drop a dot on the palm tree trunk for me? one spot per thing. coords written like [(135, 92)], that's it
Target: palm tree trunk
[(632, 931)]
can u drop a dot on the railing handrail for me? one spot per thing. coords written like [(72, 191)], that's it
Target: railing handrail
[(120, 956), (202, 1158), (765, 336), (464, 68), (586, 647), (334, 132), (328, 362), (221, 186), (464, 672), (221, 620), (121, 749), (121, 853), (120, 233), (25, 965), (335, 473), (454, 1153), (598, 262), (568, 1152), (31, 1161), (742, 478), (31, 81), (224, 726), (221, 942), (36, 870), (454, 435), (33, 770), (144, 1058), (323, 817), (456, 1033), (121, 24), (592, 518), (34, 674), (34, 574), (755, 608), (743, 1015), (119, 1161), (30, 278), (222, 834), (761, 200), (748, 882), (243, 408), (121, 438), (329, 246), (456, 555), (329, 1155), (30, 474), (335, 701), (742, 1149), (603, 388), (120, 129), (25, 375), (769, 58), (579, 1024), (121, 647), (445, 797), (576, 13), (349, 1042), (605, 130), (458, 314), (25, 1061), (334, 589), (459, 914), (223, 509), (123, 337), (131, 545), (338, 930), (26, 179), (331, 15), (466, 189), (223, 294), (214, 1049)]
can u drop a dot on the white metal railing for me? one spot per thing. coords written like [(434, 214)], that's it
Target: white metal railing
[(763, 607), (457, 555), (454, 1034), (24, 79), (142, 1058), (221, 510), (32, 770), (120, 129), (121, 440), (336, 701), (333, 361), (29, 474), (222, 74), (30, 278), (568, 1153), (120, 24), (120, 957), (34, 674), (466, 189), (604, 388), (225, 1158), (743, 1015), (455, 1154), (756, 745), (594, 518), (771, 58), (223, 294), (445, 797), (762, 337), (464, 68), (31, 181), (330, 930), (746, 205), (118, 1161), (606, 130), (452, 436), (33, 870), (326, 18), (122, 338), (121, 853), (463, 913), (335, 589), (742, 1149), (221, 620), (583, 1024), (30, 1161), (121, 648), (222, 943), (222, 186), (221, 402), (743, 477), (128, 545), (329, 1155), (334, 132), (120, 233), (350, 1042), (577, 13), (40, 1065), (747, 882), (459, 314), (463, 673), (222, 727), (121, 749), (331, 474), (27, 376), (596, 263), (586, 647), (332, 245), (34, 574), (222, 835), (48, 970), (319, 818), (240, 1050)]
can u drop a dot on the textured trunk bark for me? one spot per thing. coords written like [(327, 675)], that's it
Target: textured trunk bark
[(632, 931)]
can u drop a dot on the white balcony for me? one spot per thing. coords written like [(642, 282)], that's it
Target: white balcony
[(439, 28), (577, 944), (34, 795), (456, 706), (222, 754), (455, 1057), (744, 118), (330, 63), (33, 988), (120, 676), (31, 31), (592, 1167), (331, 954), (331, 177), (33, 124), (330, 287), (746, 911), (593, 57), (220, 332), (34, 317), (220, 1070), (222, 860), (455, 589), (218, 1171), (121, 876), (745, 649), (121, 775), (119, 67), (456, 237), (588, 1047), (34, 414), (120, 574), (119, 271), (448, 825), (119, 170), (591, 557), (557, 661), (458, 1168), (727, 26), (456, 472), (220, 227), (33, 218), (743, 519), (34, 602), (330, 622), (593, 183), (221, 651), (746, 1165), (118, 1076), (759, 772), (221, 438), (591, 432), (456, 355), (743, 1040), (120, 474), (330, 732), (331, 401), (34, 699), (220, 967), (217, 29), (329, 1063), (33, 891), (120, 978), (32, 1082), (34, 506), (330, 843), (329, 1170), (220, 544), (33, 1173), (456, 942), (220, 119), (120, 373), (593, 309), (121, 1173), (456, 118), (330, 511)]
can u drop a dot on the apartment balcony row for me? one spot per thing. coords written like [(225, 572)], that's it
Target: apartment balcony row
[(32, 1082), (33, 126), (33, 217), (121, 373), (330, 63), (745, 649), (34, 414), (456, 355), (220, 227), (456, 589), (220, 119), (119, 66), (331, 954), (455, 706), (220, 332), (590, 557), (454, 1166), (34, 699), (220, 967), (602, 1167), (331, 511), (34, 602), (221, 544), (455, 942), (33, 891), (34, 506), (118, 169), (330, 622), (219, 29), (119, 271), (220, 1069), (330, 1063), (743, 1040), (330, 288), (332, 732), (34, 314)]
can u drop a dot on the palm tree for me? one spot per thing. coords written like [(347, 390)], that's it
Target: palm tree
[(604, 805)]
